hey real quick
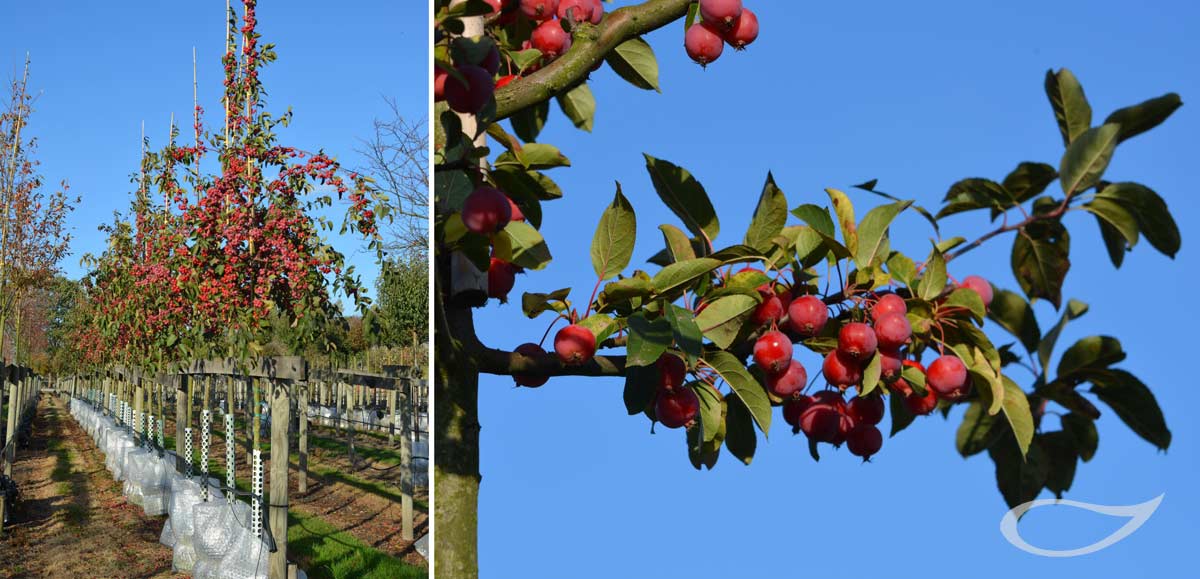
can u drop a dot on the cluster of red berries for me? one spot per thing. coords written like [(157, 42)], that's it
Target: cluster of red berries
[(825, 416), (722, 22)]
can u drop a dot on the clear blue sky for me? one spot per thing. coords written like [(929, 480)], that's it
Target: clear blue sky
[(918, 95), (102, 68)]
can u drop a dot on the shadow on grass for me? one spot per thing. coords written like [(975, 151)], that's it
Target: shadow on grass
[(327, 553)]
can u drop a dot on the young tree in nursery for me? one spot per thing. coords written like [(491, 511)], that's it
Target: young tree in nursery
[(33, 233), (704, 335), (205, 263)]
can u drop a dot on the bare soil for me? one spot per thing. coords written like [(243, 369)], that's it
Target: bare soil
[(81, 526)]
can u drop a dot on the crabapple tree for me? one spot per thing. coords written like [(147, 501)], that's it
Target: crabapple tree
[(704, 337)]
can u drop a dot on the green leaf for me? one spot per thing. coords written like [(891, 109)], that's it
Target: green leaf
[(1114, 242), (679, 247), (535, 304), (634, 61), (933, 282), (769, 217), (1087, 157), (901, 416), (452, 188), (537, 185), (1071, 108), (1150, 211), (816, 217), (648, 339), (1060, 455), (1083, 431), (641, 384), (1075, 309), (946, 245), (977, 431), (580, 106), (601, 325), (612, 245), (1019, 476), (688, 336), (1117, 218), (528, 122), (519, 243), (1016, 410), (710, 409), (915, 378), (845, 214), (723, 318), (701, 453), (1041, 259), (902, 268), (681, 273), (522, 59), (872, 233), (637, 286), (684, 196), (969, 300), (871, 375), (533, 156), (870, 186), (1029, 180), (740, 439), (1134, 404), (1013, 313), (744, 386), (1144, 116), (975, 193), (1090, 353)]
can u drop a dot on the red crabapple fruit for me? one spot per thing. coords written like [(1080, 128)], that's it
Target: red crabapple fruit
[(947, 376), (892, 331), (470, 96), (807, 315), (671, 371), (865, 440), (790, 382), (677, 407), (840, 370), (979, 286), (721, 13), (703, 44), (744, 30), (486, 211), (866, 409), (530, 349), (773, 352), (575, 345), (857, 341)]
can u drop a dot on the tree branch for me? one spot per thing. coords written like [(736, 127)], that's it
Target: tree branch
[(589, 46)]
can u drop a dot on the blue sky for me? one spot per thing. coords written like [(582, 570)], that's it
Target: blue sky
[(917, 95), (102, 68)]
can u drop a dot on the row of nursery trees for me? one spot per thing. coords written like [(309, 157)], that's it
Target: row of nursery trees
[(223, 252)]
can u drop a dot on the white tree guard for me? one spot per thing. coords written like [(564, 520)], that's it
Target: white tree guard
[(205, 439), (230, 464), (187, 448), (256, 490)]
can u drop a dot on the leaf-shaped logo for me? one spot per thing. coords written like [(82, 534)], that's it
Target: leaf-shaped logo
[(1138, 515)]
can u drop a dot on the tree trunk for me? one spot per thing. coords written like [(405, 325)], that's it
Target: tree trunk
[(456, 460)]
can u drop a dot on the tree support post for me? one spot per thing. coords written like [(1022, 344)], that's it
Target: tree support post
[(302, 427), (277, 516)]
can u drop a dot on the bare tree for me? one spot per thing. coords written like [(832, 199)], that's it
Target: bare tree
[(398, 159)]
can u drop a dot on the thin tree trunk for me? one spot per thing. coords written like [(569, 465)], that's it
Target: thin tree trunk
[(456, 460)]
